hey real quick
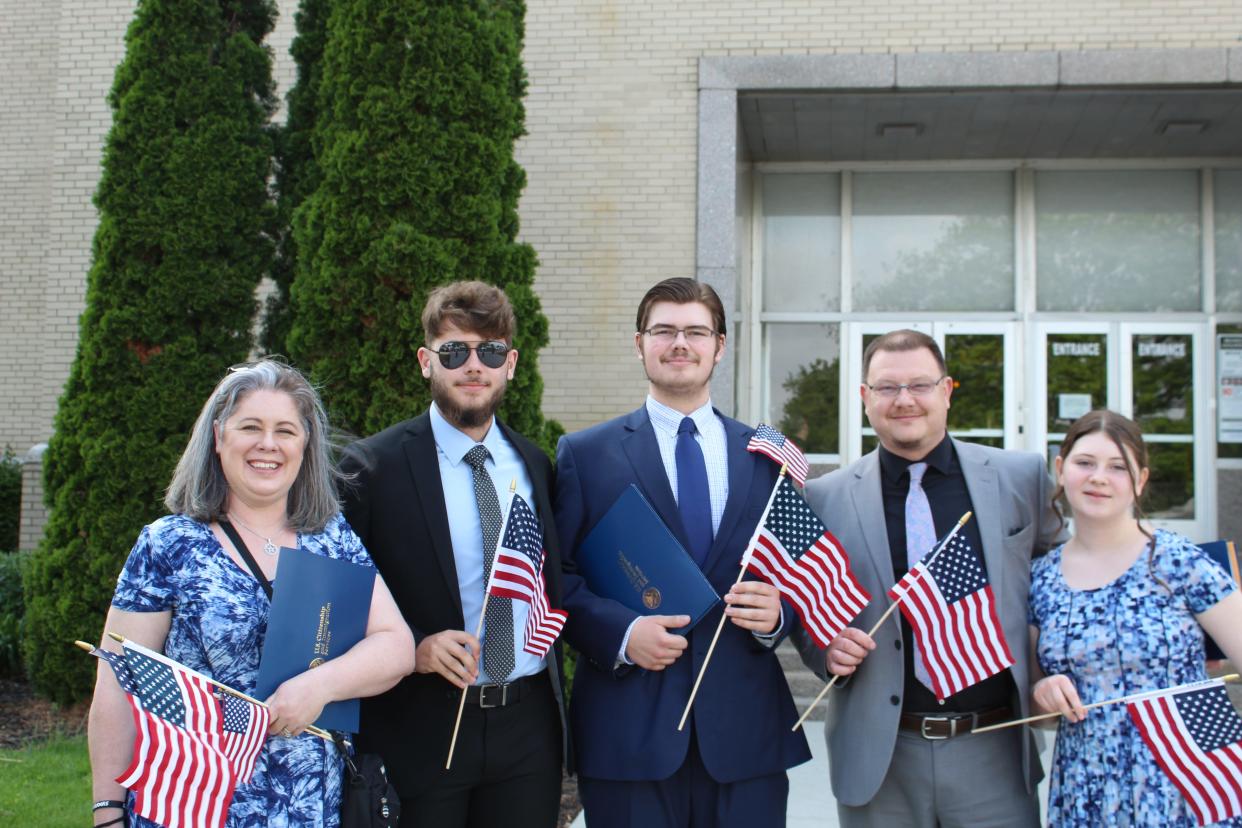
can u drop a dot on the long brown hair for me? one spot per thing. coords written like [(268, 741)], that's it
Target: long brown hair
[(1128, 438)]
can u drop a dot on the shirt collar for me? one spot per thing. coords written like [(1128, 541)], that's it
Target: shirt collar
[(455, 443), (942, 458), (669, 420)]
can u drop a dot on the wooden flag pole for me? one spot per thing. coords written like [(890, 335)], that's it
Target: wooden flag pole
[(478, 632), (741, 573), (871, 634), (1131, 697), (315, 731)]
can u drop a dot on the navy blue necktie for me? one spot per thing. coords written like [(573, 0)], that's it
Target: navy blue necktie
[(693, 500)]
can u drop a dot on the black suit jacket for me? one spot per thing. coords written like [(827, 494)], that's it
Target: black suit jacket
[(395, 502)]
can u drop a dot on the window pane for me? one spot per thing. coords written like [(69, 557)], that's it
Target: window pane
[(933, 241), (1077, 377), (1163, 384), (803, 384), (1170, 493), (1123, 240), (802, 242), (976, 363), (1227, 189)]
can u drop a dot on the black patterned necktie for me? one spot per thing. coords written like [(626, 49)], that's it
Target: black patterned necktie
[(498, 630)]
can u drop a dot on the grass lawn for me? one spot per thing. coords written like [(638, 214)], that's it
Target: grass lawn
[(46, 784)]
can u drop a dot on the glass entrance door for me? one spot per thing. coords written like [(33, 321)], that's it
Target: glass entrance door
[(1149, 373)]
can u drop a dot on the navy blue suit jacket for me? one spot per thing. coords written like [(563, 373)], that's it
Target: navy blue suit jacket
[(624, 720)]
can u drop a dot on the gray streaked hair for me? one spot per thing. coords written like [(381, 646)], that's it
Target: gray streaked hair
[(199, 488)]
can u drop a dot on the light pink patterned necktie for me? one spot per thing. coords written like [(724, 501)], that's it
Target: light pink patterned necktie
[(920, 538)]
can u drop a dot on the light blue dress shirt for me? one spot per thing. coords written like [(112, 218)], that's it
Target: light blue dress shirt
[(466, 529)]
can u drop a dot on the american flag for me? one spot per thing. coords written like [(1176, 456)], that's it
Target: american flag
[(948, 601), (182, 772), (245, 731), (768, 441), (517, 572), (797, 554), (1196, 738)]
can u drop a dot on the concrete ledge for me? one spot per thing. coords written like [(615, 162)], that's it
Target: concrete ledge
[(973, 70), (717, 203), (1233, 63), (977, 69), (1143, 67), (798, 72)]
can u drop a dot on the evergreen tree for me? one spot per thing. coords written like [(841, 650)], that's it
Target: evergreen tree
[(297, 174), (420, 105), (179, 250)]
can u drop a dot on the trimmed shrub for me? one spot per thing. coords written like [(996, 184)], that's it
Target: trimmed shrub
[(420, 103), (10, 500), (182, 241), (12, 613)]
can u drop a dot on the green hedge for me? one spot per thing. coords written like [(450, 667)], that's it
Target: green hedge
[(419, 107), (10, 500), (12, 613), (182, 241)]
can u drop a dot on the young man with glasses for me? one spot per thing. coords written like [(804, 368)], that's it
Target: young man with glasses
[(634, 674), (896, 755), (427, 497)]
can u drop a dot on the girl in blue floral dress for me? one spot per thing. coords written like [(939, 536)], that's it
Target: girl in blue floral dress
[(1117, 610), (258, 458)]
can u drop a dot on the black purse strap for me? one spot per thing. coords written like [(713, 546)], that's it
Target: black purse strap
[(244, 551)]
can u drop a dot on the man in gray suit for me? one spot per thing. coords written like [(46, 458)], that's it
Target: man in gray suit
[(897, 757)]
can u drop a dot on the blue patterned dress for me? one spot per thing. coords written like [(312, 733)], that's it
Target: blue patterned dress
[(1128, 636), (219, 619)]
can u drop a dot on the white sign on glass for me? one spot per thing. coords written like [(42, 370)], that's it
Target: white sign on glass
[(1072, 406), (1229, 388)]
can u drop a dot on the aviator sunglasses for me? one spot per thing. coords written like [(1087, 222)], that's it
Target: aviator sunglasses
[(454, 354)]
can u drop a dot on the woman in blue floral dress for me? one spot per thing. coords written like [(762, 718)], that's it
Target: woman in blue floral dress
[(1116, 610), (258, 458)]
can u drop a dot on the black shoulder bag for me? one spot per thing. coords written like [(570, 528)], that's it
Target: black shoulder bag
[(368, 799)]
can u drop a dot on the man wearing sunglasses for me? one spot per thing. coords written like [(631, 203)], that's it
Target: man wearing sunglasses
[(427, 498), (896, 755), (726, 769)]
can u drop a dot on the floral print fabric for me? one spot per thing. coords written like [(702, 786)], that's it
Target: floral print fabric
[(1135, 634), (219, 619)]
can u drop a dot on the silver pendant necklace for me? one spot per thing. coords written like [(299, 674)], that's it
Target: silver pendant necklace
[(269, 548)]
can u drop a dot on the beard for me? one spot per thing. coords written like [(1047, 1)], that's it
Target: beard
[(466, 416)]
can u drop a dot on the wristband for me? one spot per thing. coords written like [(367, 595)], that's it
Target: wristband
[(108, 803), (116, 821)]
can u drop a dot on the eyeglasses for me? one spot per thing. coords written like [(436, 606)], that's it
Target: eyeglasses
[(667, 334), (455, 354), (920, 388)]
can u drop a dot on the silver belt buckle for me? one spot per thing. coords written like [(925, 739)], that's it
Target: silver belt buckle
[(952, 721), (485, 694)]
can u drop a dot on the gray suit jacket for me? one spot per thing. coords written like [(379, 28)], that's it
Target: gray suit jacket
[(1011, 493)]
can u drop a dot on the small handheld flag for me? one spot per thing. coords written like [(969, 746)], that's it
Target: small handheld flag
[(1195, 736), (948, 601), (518, 573), (190, 749), (797, 554), (771, 443)]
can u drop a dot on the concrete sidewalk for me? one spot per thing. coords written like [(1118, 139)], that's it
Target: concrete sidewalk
[(811, 804)]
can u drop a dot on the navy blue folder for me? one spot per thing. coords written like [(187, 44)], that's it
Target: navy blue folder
[(630, 556), (1224, 553), (319, 610)]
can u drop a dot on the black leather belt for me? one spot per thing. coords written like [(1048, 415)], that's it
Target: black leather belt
[(936, 728), (503, 695)]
